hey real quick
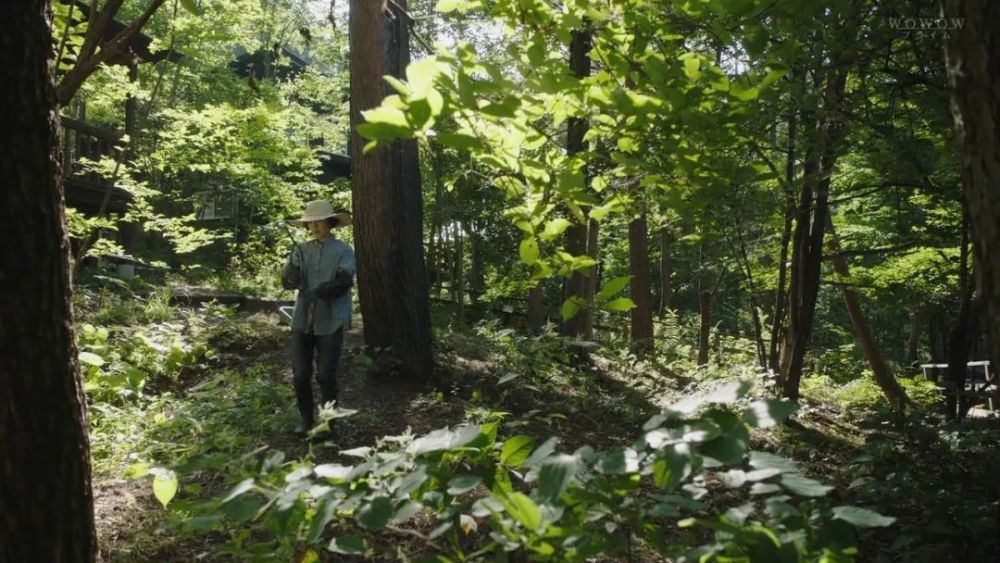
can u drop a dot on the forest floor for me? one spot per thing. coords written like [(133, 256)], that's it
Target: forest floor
[(938, 480)]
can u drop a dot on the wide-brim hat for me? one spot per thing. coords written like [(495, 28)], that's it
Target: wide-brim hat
[(318, 210)]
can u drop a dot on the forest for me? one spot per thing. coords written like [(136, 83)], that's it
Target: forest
[(615, 280)]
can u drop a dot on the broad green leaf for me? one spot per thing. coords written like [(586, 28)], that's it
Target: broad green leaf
[(571, 307), (862, 517), (463, 483), (445, 6), (385, 123), (347, 545), (612, 287), (458, 140), (555, 475), (529, 250), (618, 462), (764, 414), (804, 486), (376, 513), (244, 486), (620, 304), (764, 460), (191, 6), (554, 228), (407, 510), (164, 485), (91, 359), (522, 509), (137, 470), (516, 450)]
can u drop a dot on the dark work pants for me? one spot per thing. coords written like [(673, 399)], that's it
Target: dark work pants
[(326, 351)]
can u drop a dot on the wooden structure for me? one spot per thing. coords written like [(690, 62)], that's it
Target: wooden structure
[(981, 381)]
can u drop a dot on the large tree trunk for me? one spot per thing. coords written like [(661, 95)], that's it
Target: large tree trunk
[(639, 288), (577, 235), (973, 61), (388, 204), (45, 494), (883, 377)]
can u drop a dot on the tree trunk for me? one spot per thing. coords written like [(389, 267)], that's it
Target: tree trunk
[(705, 329), (973, 62), (780, 292), (883, 377), (639, 288), (388, 204), (576, 235), (963, 332), (458, 274), (821, 156), (913, 340), (592, 281), (45, 493), (536, 309), (666, 270)]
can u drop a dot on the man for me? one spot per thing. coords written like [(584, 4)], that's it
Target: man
[(322, 270)]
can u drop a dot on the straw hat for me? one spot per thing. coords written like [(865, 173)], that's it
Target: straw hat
[(318, 210)]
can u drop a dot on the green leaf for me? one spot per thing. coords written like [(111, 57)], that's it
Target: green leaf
[(554, 228), (191, 6), (137, 470), (458, 140), (242, 509), (571, 307), (804, 486), (244, 486), (347, 545), (376, 513), (764, 414), (620, 304), (618, 462), (764, 460), (164, 485), (611, 288), (862, 517), (522, 509), (385, 123), (529, 250), (446, 6), (463, 483), (556, 474), (516, 449), (91, 359)]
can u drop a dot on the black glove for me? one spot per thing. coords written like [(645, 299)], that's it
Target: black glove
[(291, 278), (329, 290)]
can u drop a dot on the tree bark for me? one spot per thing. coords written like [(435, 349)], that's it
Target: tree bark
[(973, 62), (883, 377), (577, 235), (780, 292), (705, 328), (45, 492), (821, 155), (666, 271), (536, 309), (388, 204), (639, 288)]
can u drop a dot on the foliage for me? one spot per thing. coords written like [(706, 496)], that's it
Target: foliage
[(487, 496)]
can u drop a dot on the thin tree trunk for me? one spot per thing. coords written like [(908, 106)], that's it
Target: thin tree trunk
[(458, 269), (883, 377), (705, 328), (786, 236), (973, 63), (963, 331), (821, 157), (913, 340), (592, 281), (666, 270), (45, 491), (388, 202)]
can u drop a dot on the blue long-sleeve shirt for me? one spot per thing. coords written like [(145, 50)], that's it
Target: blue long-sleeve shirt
[(319, 262)]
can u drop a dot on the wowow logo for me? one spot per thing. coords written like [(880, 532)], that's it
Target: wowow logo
[(926, 24)]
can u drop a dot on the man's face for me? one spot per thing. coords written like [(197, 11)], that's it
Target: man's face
[(319, 229)]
